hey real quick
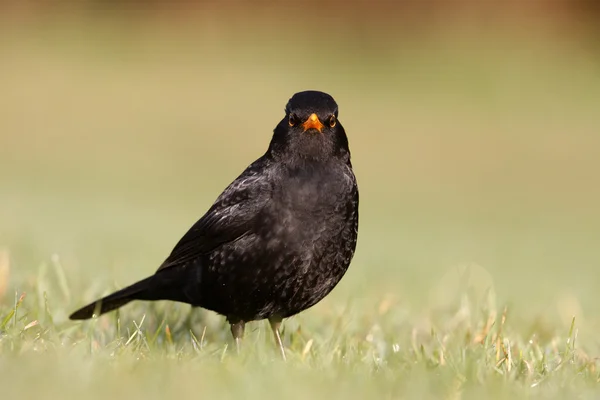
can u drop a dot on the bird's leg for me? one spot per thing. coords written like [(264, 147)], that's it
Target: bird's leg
[(237, 330), (275, 323)]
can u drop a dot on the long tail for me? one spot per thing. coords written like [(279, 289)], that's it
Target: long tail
[(137, 291)]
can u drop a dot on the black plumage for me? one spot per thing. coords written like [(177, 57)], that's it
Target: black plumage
[(277, 240)]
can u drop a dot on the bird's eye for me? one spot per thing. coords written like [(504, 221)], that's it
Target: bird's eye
[(293, 120), (332, 121)]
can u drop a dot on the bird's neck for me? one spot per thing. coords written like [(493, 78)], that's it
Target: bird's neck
[(308, 154), (308, 161)]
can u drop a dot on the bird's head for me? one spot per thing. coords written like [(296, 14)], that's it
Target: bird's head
[(310, 128)]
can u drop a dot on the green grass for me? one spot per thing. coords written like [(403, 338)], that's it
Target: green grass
[(477, 265), (164, 350)]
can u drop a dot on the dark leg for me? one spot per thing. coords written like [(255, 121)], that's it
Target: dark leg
[(237, 330), (275, 324)]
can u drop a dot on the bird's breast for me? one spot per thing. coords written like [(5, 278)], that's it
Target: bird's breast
[(306, 207)]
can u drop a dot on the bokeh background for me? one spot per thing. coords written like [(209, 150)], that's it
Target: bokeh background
[(474, 130)]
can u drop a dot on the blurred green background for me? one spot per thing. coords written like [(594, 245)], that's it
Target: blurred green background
[(474, 131)]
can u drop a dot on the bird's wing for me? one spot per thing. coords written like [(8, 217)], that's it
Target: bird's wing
[(229, 218)]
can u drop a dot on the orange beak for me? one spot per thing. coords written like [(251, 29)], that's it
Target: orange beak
[(313, 122)]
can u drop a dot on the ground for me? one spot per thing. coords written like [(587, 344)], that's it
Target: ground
[(477, 266)]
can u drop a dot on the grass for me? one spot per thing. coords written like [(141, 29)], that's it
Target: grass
[(476, 271), (164, 350)]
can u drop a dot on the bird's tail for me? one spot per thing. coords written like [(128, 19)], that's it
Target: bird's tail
[(137, 291)]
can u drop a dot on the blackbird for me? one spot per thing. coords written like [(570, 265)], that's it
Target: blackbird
[(277, 240)]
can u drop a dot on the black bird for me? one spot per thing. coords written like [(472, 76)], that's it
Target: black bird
[(277, 240)]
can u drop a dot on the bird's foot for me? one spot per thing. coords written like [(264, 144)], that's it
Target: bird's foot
[(275, 325), (237, 330)]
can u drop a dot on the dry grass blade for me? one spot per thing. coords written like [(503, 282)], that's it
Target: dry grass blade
[(306, 349)]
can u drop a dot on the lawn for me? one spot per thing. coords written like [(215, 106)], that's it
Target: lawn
[(477, 264)]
